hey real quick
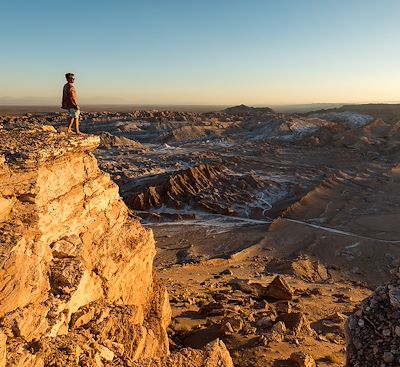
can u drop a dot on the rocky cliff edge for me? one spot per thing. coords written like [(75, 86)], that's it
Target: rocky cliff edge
[(76, 277)]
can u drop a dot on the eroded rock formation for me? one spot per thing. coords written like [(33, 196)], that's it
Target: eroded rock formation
[(76, 278), (173, 189), (204, 187)]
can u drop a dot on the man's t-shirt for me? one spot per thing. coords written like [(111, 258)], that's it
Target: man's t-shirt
[(70, 98)]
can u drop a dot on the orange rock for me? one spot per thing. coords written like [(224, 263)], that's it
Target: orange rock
[(280, 289), (67, 242)]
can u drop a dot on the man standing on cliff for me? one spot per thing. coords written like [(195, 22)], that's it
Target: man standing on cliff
[(70, 102)]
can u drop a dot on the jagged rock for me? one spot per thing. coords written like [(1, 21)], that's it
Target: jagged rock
[(372, 331), (255, 289), (394, 296), (276, 334), (214, 354), (266, 321), (227, 329), (307, 269), (67, 247), (231, 324), (388, 357), (104, 353), (303, 359), (296, 322), (74, 266), (217, 355), (280, 289), (29, 323), (279, 327), (212, 308), (283, 307), (82, 317)]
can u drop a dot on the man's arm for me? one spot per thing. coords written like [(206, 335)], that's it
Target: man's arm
[(74, 96)]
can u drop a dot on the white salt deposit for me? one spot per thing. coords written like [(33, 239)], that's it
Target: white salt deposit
[(346, 118)]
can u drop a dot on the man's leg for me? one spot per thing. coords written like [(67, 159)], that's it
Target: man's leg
[(70, 125), (77, 125)]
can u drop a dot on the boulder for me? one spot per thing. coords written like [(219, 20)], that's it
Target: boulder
[(280, 289), (231, 324), (297, 322), (310, 270), (302, 359), (255, 289)]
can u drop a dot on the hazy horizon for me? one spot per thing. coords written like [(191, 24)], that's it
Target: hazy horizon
[(34, 101), (123, 108), (26, 102), (202, 53)]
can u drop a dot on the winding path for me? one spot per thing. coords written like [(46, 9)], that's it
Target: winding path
[(337, 231)]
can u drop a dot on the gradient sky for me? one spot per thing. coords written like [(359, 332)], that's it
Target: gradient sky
[(201, 51)]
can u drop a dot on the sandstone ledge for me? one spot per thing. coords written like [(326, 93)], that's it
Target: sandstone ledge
[(76, 278), (26, 145)]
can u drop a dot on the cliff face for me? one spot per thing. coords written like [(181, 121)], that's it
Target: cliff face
[(76, 280)]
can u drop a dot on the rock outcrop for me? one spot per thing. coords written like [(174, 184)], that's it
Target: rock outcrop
[(214, 354), (109, 141), (373, 332), (204, 187), (76, 277), (173, 189)]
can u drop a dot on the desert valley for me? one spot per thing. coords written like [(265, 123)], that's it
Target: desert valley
[(242, 237)]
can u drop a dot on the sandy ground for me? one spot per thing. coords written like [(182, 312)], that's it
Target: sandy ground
[(323, 303)]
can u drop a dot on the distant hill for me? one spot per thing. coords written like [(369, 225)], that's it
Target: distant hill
[(247, 109), (387, 112)]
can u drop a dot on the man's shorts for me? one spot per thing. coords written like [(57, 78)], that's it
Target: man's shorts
[(73, 112)]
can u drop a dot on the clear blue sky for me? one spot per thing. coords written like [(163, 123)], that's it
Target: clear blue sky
[(201, 51)]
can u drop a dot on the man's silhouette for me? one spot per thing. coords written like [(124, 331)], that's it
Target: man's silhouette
[(70, 102)]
